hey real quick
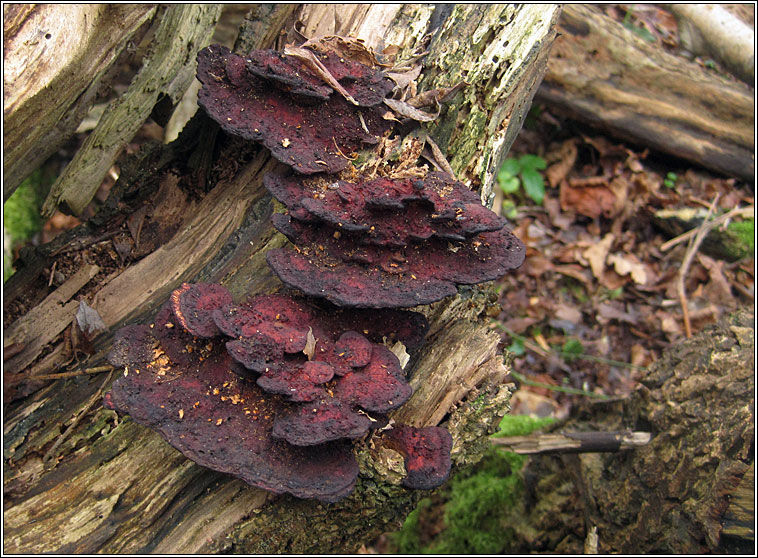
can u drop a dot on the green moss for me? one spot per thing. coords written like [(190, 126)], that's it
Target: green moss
[(408, 539), (21, 216), (743, 233), (474, 502)]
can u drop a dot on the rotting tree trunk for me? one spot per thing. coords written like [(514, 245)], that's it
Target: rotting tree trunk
[(601, 73), (57, 60), (689, 491), (80, 479)]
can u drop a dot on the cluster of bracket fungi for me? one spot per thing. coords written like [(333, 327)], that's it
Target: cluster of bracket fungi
[(273, 389)]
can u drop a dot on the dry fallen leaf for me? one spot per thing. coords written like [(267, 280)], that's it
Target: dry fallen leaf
[(565, 156), (597, 254), (310, 344), (591, 200), (629, 265)]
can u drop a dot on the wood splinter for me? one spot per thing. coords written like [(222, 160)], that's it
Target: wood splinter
[(574, 442)]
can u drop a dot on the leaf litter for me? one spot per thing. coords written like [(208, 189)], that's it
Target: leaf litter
[(597, 300)]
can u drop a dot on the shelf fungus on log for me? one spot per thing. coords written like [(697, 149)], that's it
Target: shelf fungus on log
[(388, 212), (426, 452), (283, 420), (284, 102), (336, 265), (210, 413)]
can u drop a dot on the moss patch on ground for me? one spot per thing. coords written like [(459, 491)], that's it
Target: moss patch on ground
[(473, 503)]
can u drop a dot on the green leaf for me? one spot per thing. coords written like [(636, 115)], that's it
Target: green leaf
[(532, 162), (517, 347), (510, 167), (509, 185), (534, 185), (510, 211)]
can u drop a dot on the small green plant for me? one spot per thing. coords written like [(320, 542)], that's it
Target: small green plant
[(670, 180), (523, 171), (572, 349), (517, 347)]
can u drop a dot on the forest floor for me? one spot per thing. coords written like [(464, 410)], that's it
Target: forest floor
[(599, 296), (608, 282)]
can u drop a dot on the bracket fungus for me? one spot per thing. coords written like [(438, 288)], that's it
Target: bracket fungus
[(348, 273), (273, 389), (426, 452), (282, 102), (284, 423), (389, 212)]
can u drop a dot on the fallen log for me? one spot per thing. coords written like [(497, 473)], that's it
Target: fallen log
[(603, 74), (683, 492)]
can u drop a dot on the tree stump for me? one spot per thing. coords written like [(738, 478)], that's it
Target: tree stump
[(81, 479)]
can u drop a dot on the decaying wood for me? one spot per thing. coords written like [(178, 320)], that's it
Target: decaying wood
[(56, 60), (167, 71), (601, 73), (573, 442), (115, 486), (724, 35), (45, 321), (671, 495)]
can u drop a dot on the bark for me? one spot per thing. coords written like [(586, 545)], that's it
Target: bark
[(80, 479), (685, 491), (56, 60), (603, 74)]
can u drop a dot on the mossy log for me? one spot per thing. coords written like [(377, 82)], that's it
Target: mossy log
[(689, 491), (78, 478)]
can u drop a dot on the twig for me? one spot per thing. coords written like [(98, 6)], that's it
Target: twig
[(562, 389), (52, 274), (736, 212), (691, 251), (573, 442), (73, 373), (95, 397)]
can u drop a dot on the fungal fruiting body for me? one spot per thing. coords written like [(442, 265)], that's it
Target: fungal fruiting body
[(281, 420), (388, 243), (278, 101), (274, 389)]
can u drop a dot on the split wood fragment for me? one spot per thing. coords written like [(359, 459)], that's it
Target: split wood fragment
[(573, 442)]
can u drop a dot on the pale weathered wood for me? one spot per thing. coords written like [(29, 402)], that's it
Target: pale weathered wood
[(601, 73), (56, 59), (118, 487), (184, 29), (726, 37), (45, 321)]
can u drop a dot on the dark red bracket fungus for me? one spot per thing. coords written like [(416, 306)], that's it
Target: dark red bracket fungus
[(189, 387), (218, 419), (388, 212), (426, 452), (193, 307), (342, 270), (261, 98)]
